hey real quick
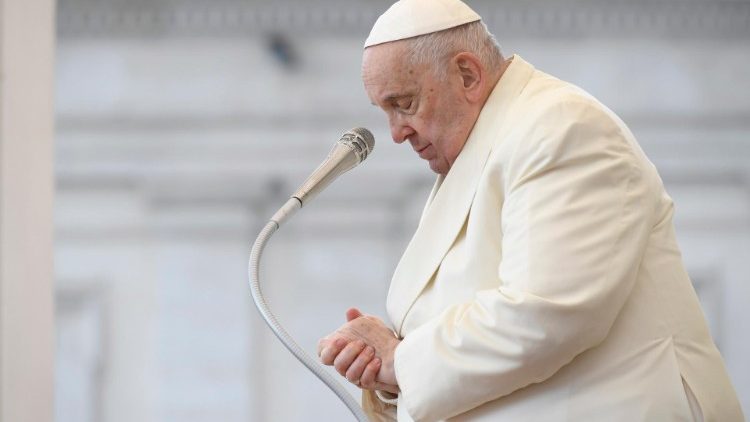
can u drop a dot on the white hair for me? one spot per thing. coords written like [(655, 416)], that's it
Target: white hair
[(436, 48)]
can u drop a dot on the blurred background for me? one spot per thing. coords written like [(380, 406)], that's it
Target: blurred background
[(181, 125)]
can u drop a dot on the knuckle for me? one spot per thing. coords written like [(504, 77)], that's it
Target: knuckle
[(351, 377), (367, 377), (365, 381), (326, 358), (353, 372)]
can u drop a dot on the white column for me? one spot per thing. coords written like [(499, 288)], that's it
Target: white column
[(26, 190)]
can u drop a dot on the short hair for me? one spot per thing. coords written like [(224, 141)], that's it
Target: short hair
[(437, 47)]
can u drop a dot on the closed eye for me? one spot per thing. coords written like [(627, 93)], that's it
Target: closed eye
[(404, 103)]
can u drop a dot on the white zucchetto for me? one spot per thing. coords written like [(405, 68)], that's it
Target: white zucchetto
[(411, 18)]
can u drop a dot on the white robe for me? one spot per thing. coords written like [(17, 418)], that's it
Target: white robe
[(544, 282)]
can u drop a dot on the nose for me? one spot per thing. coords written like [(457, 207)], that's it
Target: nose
[(400, 131)]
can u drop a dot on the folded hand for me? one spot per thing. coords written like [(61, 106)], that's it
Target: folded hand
[(362, 351)]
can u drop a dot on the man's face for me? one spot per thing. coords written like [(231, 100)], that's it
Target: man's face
[(431, 114)]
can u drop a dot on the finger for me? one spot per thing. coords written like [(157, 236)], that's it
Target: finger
[(329, 353), (322, 344), (367, 379), (354, 373), (344, 359), (353, 313)]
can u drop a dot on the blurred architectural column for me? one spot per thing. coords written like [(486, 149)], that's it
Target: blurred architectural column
[(26, 189)]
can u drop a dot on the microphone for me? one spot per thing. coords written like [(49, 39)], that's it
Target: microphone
[(354, 146)]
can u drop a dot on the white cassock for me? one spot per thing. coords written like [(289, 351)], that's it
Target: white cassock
[(544, 282)]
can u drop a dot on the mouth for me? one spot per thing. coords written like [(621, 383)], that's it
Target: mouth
[(422, 152)]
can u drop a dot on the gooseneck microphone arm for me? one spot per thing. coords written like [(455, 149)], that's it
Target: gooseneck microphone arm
[(353, 147)]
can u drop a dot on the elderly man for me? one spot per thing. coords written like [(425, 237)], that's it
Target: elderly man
[(544, 282)]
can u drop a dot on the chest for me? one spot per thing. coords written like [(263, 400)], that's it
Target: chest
[(471, 263)]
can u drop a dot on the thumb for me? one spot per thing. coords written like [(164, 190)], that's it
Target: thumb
[(353, 313)]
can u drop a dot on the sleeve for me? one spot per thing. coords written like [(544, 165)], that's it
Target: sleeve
[(575, 222), (376, 409)]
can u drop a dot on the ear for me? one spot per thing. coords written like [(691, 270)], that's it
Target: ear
[(472, 75)]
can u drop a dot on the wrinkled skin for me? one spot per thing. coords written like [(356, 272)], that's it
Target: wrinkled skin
[(362, 351)]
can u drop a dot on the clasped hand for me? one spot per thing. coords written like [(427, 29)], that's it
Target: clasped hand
[(362, 351)]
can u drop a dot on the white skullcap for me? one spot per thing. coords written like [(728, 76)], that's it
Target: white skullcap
[(410, 18)]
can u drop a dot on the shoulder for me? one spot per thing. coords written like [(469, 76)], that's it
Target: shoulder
[(547, 99), (550, 111), (557, 123)]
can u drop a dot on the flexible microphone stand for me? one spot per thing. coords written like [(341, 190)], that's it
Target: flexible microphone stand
[(361, 142)]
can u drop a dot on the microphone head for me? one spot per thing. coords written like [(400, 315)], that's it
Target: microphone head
[(360, 140)]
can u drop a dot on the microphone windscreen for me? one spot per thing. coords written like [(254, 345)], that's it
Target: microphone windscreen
[(366, 135)]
